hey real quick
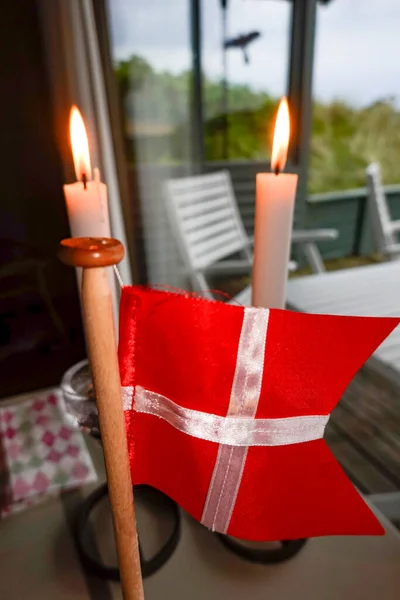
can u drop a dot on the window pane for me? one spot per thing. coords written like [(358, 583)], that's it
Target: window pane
[(244, 81), (356, 93), (151, 50), (152, 53), (150, 43)]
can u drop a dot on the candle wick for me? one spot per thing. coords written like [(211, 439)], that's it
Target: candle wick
[(84, 180), (277, 169)]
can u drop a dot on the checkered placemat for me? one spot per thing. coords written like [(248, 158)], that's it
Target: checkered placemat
[(41, 454)]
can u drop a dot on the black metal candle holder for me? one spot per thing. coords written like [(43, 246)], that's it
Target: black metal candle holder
[(287, 549), (148, 566)]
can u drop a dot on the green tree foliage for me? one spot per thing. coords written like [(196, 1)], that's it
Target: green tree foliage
[(344, 139)]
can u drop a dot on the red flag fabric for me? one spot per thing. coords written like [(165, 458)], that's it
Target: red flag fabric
[(226, 406)]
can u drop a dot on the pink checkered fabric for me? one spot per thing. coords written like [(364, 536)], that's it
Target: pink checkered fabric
[(40, 455)]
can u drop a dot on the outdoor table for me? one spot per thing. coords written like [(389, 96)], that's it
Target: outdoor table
[(372, 290), (332, 568)]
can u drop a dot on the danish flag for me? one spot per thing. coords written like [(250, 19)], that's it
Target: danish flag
[(226, 408)]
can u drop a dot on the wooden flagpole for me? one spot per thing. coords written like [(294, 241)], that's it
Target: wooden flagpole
[(93, 254)]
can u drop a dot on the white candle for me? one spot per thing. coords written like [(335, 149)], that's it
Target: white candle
[(88, 208), (275, 197), (86, 200)]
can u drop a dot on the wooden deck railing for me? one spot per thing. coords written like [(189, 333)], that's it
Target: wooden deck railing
[(348, 212)]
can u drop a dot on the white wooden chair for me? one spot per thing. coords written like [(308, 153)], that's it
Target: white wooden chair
[(385, 231), (206, 223)]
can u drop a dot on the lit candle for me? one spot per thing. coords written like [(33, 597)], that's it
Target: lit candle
[(275, 197), (86, 199)]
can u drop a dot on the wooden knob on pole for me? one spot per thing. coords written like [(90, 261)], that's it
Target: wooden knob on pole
[(93, 254)]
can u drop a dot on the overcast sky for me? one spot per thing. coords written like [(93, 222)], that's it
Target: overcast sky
[(357, 44)]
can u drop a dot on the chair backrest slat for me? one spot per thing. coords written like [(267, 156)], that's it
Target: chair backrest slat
[(205, 218), (205, 195), (379, 209), (199, 221), (192, 211), (215, 231)]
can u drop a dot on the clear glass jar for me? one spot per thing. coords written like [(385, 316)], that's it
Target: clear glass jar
[(79, 398)]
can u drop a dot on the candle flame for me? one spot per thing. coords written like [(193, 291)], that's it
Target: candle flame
[(281, 137), (80, 145)]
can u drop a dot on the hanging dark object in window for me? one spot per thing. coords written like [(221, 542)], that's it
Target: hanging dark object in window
[(242, 41)]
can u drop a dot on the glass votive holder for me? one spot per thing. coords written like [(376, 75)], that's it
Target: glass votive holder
[(79, 398)]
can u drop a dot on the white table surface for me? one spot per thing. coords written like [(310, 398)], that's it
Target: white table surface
[(335, 568), (38, 562)]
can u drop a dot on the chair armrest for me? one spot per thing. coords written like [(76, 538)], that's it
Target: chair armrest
[(304, 236), (237, 267), (229, 267), (393, 249), (395, 226)]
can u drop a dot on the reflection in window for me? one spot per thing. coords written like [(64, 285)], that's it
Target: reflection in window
[(151, 52), (150, 46), (356, 116), (245, 54)]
